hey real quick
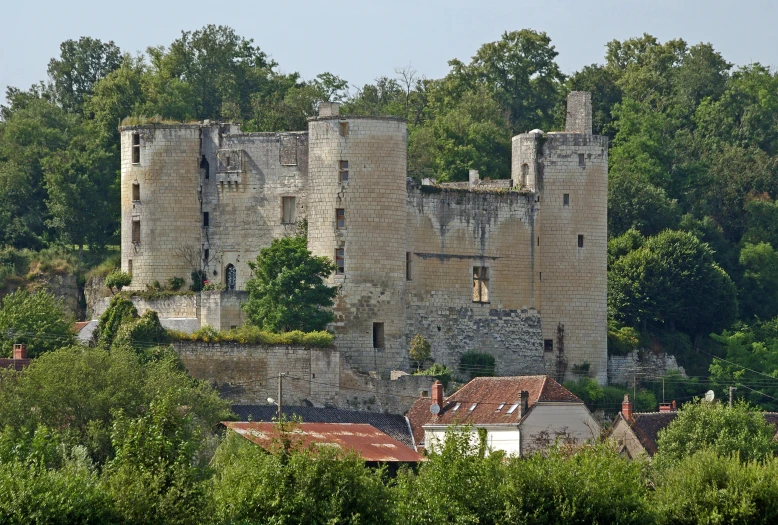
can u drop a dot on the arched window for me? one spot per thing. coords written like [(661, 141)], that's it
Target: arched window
[(231, 275), (524, 175)]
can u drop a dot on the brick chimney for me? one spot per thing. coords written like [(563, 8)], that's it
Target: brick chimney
[(20, 351), (437, 393), (523, 402), (626, 408), (667, 407)]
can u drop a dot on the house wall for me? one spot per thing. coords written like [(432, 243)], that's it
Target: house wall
[(547, 421), (498, 437), (622, 434)]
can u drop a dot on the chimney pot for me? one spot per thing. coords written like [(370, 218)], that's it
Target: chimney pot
[(674, 406), (626, 407), (437, 393), (20, 351)]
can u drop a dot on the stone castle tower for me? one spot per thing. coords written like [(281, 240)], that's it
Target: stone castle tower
[(515, 268)]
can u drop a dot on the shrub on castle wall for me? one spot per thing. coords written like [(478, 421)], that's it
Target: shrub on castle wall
[(251, 335)]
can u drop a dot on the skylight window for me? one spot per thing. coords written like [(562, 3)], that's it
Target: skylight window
[(472, 407), (513, 407), (456, 407), (500, 407)]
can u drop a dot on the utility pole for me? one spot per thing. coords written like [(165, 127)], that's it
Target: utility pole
[(280, 392), (731, 394)]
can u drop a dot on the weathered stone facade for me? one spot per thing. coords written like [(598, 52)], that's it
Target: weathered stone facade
[(516, 271)]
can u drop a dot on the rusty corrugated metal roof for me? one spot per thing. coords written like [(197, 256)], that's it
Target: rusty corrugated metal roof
[(366, 440)]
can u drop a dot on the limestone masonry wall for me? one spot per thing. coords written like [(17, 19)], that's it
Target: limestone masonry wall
[(622, 368)]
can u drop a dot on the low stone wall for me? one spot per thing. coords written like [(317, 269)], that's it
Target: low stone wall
[(170, 306), (248, 374), (222, 310), (621, 369)]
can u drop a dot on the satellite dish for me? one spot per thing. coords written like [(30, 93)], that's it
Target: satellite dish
[(709, 395), (435, 409)]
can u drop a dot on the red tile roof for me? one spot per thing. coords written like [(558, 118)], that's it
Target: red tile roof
[(79, 325), (16, 364), (365, 440), (493, 397)]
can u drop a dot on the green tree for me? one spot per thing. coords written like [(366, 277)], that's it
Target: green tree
[(700, 425), (759, 286), (633, 203), (287, 291), (37, 320), (420, 350)]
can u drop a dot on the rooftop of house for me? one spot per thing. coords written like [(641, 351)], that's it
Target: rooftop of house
[(394, 425), (366, 440), (488, 400)]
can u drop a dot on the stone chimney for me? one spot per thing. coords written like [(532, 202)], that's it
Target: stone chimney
[(474, 179), (626, 408), (437, 393), (523, 402), (20, 351), (579, 112), (329, 109)]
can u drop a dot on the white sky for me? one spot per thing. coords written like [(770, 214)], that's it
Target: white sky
[(361, 40)]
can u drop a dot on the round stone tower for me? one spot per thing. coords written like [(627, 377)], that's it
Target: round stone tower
[(568, 171), (356, 217), (161, 218)]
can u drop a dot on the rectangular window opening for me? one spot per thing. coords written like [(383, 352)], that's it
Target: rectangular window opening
[(538, 240), (340, 261), (340, 218), (344, 129), (129, 266), (378, 335), (566, 199), (206, 255), (136, 192), (136, 148), (408, 274), (343, 171), (136, 231), (288, 210), (580, 241), (548, 345), (206, 219), (480, 284), (581, 160)]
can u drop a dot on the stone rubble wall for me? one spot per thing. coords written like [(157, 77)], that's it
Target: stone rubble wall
[(641, 363)]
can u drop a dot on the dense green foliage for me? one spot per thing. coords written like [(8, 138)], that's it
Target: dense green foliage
[(253, 335), (37, 320), (287, 290), (420, 350), (476, 364), (118, 279)]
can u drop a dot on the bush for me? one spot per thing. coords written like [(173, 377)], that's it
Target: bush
[(175, 283), (440, 372), (476, 364), (198, 281), (622, 340), (118, 279), (252, 335)]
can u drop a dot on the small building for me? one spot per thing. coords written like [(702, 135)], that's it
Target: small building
[(636, 432), (19, 361), (519, 414), (372, 445)]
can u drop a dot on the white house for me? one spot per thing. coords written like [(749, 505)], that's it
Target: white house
[(519, 414)]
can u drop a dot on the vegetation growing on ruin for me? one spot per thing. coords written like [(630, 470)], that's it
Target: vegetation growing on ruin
[(252, 335)]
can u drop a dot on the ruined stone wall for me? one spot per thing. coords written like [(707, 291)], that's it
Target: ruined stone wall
[(169, 306), (248, 374), (168, 210), (222, 309), (641, 363), (372, 288), (451, 233), (244, 199)]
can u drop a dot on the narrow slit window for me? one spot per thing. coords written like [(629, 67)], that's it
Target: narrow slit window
[(344, 129), (288, 210), (580, 241), (136, 231), (581, 160), (343, 171), (340, 261), (524, 175), (206, 256), (378, 335), (548, 345), (340, 218), (129, 266), (136, 148), (205, 168), (136, 191), (408, 260), (566, 199), (206, 219), (480, 284)]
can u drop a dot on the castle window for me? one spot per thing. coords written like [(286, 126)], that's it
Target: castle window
[(230, 276), (480, 284), (580, 241), (344, 129), (136, 148), (206, 219), (408, 274), (205, 168), (135, 191), (581, 160), (136, 231), (378, 335), (566, 199), (129, 266), (288, 210), (340, 261), (524, 175), (343, 171), (548, 345), (206, 255), (288, 150), (340, 218)]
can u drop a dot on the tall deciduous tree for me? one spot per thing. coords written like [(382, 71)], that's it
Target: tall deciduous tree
[(37, 320), (287, 291)]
